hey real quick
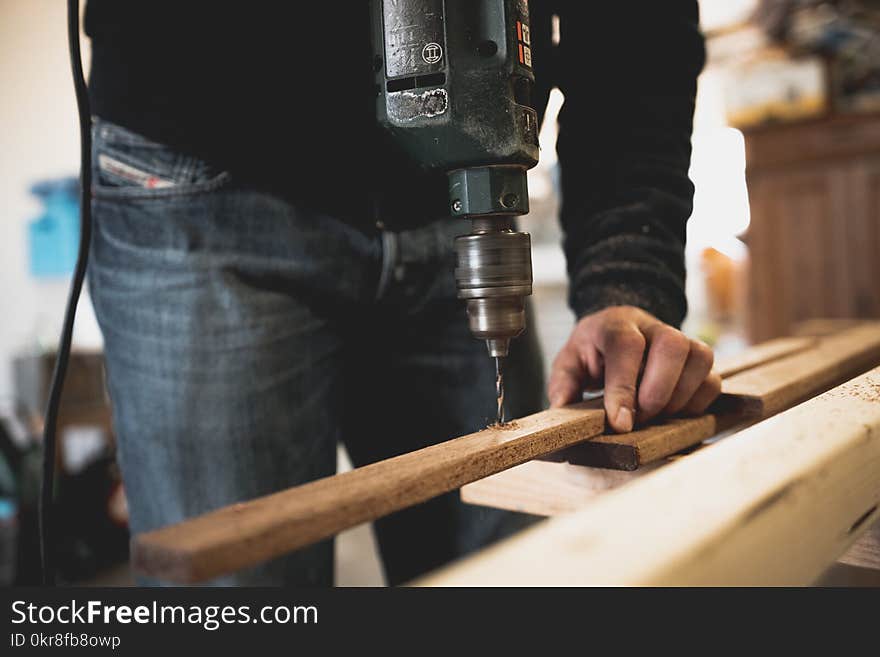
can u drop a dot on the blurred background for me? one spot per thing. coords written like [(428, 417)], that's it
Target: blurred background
[(785, 228)]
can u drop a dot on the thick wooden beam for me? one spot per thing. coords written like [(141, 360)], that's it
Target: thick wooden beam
[(544, 488), (774, 506), (245, 534), (778, 375)]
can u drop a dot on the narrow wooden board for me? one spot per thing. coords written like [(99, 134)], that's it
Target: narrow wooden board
[(549, 488), (630, 451), (782, 383), (782, 374), (824, 327), (761, 354), (816, 370), (865, 552), (245, 534), (774, 506), (545, 488)]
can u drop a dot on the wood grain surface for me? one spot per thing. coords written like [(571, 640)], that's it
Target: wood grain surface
[(780, 384), (545, 488), (762, 380), (761, 354), (776, 505), (865, 552), (245, 534)]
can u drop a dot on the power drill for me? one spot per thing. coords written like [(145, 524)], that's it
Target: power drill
[(453, 89)]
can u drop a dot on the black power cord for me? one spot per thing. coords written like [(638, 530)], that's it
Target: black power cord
[(79, 274)]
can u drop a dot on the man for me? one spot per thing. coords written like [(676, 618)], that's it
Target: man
[(272, 277)]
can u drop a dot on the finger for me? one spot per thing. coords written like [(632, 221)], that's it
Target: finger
[(566, 377), (696, 369), (667, 353), (705, 395), (622, 346)]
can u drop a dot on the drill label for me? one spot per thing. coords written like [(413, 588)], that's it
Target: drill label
[(414, 42), (524, 42)]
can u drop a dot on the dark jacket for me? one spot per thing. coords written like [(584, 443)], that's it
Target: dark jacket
[(280, 93)]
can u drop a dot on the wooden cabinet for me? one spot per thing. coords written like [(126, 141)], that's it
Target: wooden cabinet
[(814, 236)]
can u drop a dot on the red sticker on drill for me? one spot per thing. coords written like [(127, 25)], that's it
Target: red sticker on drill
[(524, 40)]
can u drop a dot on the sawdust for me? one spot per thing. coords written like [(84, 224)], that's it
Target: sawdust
[(866, 390), (869, 391), (511, 424)]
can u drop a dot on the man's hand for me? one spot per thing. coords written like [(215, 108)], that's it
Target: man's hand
[(611, 346)]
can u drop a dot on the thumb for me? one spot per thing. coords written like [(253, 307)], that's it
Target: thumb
[(623, 347)]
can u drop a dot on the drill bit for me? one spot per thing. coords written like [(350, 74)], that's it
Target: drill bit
[(499, 391)]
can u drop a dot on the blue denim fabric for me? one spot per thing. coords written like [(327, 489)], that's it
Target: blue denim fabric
[(245, 337)]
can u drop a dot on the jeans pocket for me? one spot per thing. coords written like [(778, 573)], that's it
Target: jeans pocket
[(128, 165)]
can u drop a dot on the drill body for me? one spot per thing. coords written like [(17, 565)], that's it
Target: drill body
[(453, 90)]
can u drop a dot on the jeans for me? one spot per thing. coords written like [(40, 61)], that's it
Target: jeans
[(246, 336)]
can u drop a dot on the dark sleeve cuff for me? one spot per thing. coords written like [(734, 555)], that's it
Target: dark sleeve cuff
[(622, 265), (669, 307)]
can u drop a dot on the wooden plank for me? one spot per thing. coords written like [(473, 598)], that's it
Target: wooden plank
[(549, 488), (780, 373), (780, 384), (545, 488), (761, 354), (775, 506), (822, 327), (630, 451), (245, 534), (865, 552), (654, 443)]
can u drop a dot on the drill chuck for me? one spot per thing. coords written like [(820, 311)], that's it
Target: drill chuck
[(453, 81), (494, 275)]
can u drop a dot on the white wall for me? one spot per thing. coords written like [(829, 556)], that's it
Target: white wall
[(39, 139)]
